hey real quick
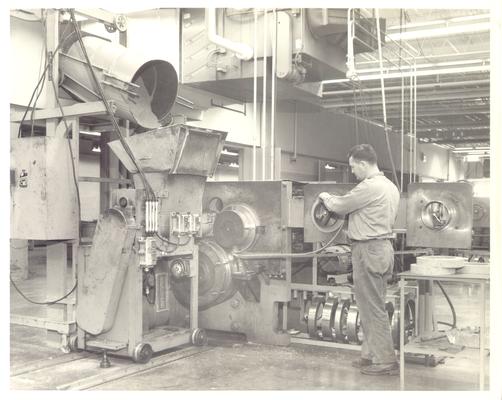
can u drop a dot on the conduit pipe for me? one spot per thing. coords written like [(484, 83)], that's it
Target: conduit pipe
[(241, 50), (273, 98), (382, 86), (264, 96), (255, 90), (351, 68)]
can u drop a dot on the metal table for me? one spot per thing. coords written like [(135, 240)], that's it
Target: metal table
[(479, 279)]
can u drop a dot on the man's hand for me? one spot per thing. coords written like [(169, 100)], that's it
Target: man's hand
[(324, 196)]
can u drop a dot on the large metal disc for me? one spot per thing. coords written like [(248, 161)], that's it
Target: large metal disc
[(328, 317), (353, 325), (314, 318), (341, 321)]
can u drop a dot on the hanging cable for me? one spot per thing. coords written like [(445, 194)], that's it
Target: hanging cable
[(166, 240), (73, 167), (453, 324), (382, 86), (43, 303), (38, 86), (150, 194)]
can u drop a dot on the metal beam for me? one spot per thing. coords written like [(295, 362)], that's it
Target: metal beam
[(79, 109), (375, 112), (453, 127), (97, 14), (105, 180)]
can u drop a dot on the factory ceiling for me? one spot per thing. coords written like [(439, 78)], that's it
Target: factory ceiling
[(451, 52)]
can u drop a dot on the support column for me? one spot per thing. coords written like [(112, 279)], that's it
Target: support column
[(56, 288), (19, 267)]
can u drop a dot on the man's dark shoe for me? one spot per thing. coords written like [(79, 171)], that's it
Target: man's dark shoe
[(381, 369), (361, 363)]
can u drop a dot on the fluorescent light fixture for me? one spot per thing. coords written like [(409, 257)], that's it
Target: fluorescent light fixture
[(91, 133), (425, 72), (233, 165), (229, 153), (472, 157), (461, 149), (329, 166), (96, 148)]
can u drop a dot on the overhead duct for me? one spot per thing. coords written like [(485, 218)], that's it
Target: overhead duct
[(142, 90)]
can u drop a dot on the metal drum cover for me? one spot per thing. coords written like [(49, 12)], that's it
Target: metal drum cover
[(215, 277), (328, 317), (353, 325), (314, 317), (235, 227), (340, 323), (409, 322)]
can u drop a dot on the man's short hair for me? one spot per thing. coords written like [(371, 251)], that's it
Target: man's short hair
[(363, 152)]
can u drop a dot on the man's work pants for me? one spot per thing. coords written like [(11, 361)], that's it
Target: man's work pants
[(372, 263)]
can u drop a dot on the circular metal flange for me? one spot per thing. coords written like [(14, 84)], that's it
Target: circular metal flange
[(314, 317), (478, 212), (235, 227), (323, 219), (340, 324), (73, 343), (353, 324), (328, 317), (436, 215), (199, 337), (215, 277), (409, 322), (142, 353)]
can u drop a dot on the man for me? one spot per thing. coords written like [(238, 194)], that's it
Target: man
[(372, 207)]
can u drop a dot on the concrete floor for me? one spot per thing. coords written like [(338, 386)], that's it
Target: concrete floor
[(230, 364)]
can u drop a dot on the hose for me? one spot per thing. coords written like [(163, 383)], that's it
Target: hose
[(454, 315)]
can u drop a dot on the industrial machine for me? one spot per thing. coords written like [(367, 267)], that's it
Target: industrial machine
[(272, 263), (176, 254), (144, 242)]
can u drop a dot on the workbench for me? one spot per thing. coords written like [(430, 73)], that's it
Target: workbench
[(477, 279)]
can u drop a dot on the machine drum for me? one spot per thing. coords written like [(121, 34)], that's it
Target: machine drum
[(328, 317), (323, 219), (215, 277), (235, 227)]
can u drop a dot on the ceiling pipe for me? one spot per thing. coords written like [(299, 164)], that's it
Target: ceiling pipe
[(241, 50)]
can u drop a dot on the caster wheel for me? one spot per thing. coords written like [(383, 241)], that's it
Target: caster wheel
[(142, 353), (73, 343), (199, 337)]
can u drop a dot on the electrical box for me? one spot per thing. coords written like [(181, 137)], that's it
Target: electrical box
[(43, 192)]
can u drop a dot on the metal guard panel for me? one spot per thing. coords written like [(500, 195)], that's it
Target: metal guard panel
[(105, 272), (457, 198)]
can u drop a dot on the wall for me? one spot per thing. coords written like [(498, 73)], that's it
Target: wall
[(26, 60), (323, 134), (89, 191), (156, 34), (239, 127)]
